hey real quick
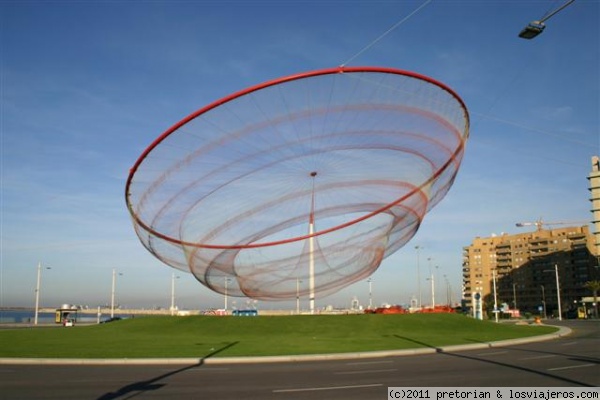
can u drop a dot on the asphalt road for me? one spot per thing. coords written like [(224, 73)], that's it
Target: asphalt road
[(573, 360)]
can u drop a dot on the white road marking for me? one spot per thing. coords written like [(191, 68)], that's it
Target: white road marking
[(537, 357), (571, 367), (568, 344), (373, 371), (369, 362), (315, 389), (492, 353)]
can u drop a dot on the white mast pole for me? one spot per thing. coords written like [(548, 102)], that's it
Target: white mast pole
[(311, 247), (311, 270)]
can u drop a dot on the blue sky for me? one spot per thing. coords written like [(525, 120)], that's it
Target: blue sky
[(86, 86)]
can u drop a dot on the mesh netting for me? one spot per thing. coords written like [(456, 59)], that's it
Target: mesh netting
[(299, 186)]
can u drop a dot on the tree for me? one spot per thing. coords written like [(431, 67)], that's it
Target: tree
[(594, 286)]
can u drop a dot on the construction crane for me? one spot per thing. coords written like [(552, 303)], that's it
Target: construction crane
[(539, 224)]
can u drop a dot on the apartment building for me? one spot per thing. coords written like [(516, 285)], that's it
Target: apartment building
[(524, 267)]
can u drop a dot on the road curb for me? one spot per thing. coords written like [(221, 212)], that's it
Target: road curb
[(562, 331)]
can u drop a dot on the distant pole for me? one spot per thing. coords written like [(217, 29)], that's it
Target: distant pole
[(544, 302), (432, 284), (515, 296), (226, 280), (370, 293), (37, 292), (448, 301), (173, 277), (432, 291), (495, 295), (418, 277), (437, 279), (172, 293), (297, 296), (112, 293)]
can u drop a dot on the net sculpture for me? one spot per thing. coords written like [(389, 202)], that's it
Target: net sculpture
[(299, 186)]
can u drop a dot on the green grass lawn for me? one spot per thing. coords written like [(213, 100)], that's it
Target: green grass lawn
[(210, 336)]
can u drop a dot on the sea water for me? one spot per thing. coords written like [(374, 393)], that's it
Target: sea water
[(28, 316), (24, 316)]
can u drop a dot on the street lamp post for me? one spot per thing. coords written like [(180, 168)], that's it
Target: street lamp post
[(437, 279), (173, 277), (544, 302), (495, 296), (419, 277), (37, 292), (370, 293), (448, 300), (432, 283), (226, 282), (297, 296), (112, 293), (432, 291), (557, 290), (594, 293)]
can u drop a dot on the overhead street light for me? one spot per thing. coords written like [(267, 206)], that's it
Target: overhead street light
[(534, 28)]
